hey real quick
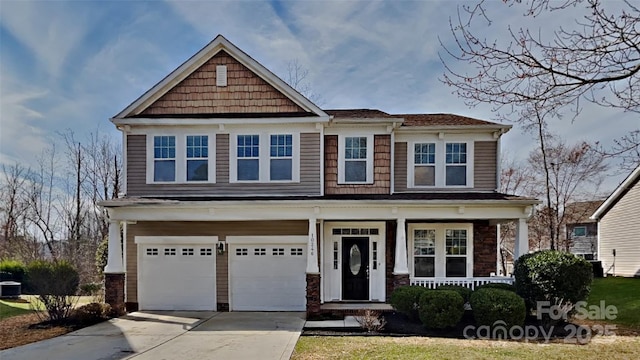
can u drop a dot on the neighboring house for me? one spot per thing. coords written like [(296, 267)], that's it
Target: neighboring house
[(581, 230), (241, 194), (619, 228)]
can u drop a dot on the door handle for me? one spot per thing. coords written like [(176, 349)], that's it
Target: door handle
[(367, 270)]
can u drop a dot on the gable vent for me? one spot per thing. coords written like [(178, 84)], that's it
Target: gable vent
[(221, 75)]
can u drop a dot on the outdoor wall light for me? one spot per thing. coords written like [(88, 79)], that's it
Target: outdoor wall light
[(221, 247)]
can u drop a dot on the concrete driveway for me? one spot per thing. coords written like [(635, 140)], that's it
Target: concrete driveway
[(174, 335)]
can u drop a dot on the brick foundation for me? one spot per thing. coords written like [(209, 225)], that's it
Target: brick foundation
[(400, 280), (313, 294), (114, 292)]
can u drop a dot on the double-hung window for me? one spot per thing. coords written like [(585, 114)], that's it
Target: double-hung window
[(180, 158), (281, 157), (355, 159), (441, 250), (164, 158), (248, 157), (197, 157), (424, 252), (424, 172), (456, 164), (439, 164), (264, 157)]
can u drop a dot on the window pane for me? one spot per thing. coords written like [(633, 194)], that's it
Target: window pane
[(456, 242), (456, 267), (456, 153), (457, 175), (248, 169), (424, 176), (424, 242), (164, 170), (197, 170), (424, 267), (248, 146), (355, 171), (580, 231), (280, 169), (164, 147), (281, 145), (355, 148), (425, 153)]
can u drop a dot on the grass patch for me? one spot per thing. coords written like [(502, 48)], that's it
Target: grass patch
[(310, 347), (13, 307), (624, 293)]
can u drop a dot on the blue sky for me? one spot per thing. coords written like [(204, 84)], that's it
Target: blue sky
[(75, 64)]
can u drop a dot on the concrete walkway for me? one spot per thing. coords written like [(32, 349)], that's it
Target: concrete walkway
[(174, 335)]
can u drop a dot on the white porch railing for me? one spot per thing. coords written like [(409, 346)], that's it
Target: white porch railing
[(471, 283)]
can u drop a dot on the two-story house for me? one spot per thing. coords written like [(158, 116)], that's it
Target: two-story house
[(241, 194), (581, 231)]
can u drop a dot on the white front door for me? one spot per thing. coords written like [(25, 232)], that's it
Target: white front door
[(267, 276), (177, 277)]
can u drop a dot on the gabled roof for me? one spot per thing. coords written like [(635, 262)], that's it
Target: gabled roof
[(358, 113), (580, 212), (220, 43), (440, 120), (617, 194)]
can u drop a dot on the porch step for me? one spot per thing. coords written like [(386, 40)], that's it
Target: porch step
[(349, 322), (355, 306)]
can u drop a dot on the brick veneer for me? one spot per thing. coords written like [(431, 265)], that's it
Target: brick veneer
[(114, 292), (381, 168), (313, 294), (484, 248)]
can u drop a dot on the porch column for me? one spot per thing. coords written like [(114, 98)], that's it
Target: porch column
[(312, 249), (114, 271), (114, 259), (313, 272), (400, 266), (522, 239)]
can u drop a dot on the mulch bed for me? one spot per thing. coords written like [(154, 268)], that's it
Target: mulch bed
[(24, 329), (399, 325)]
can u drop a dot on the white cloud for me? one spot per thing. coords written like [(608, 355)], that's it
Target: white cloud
[(48, 29)]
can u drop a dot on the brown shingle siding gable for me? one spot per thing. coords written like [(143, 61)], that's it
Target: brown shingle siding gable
[(245, 93)]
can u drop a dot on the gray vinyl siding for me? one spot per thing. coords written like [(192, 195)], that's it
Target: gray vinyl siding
[(400, 167), (309, 173), (620, 230), (484, 167), (222, 229)]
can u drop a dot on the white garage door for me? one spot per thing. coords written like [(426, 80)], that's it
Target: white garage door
[(268, 277), (177, 277)]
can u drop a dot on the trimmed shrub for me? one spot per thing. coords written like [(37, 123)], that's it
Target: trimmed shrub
[(56, 284), (92, 313), (465, 292), (501, 286), (492, 305), (405, 300), (12, 270), (439, 309), (102, 253), (549, 275)]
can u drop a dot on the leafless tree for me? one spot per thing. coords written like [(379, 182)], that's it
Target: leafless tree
[(529, 78), (572, 170), (297, 78), (13, 207)]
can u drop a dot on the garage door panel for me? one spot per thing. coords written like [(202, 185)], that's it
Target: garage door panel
[(268, 277), (177, 277)]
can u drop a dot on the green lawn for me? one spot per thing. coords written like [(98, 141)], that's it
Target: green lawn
[(624, 293), (345, 348), (13, 307)]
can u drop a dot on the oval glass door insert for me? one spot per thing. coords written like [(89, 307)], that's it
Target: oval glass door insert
[(355, 259)]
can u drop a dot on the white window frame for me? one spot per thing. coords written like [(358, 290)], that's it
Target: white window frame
[(440, 256), (341, 158), (181, 157), (264, 159), (440, 165)]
